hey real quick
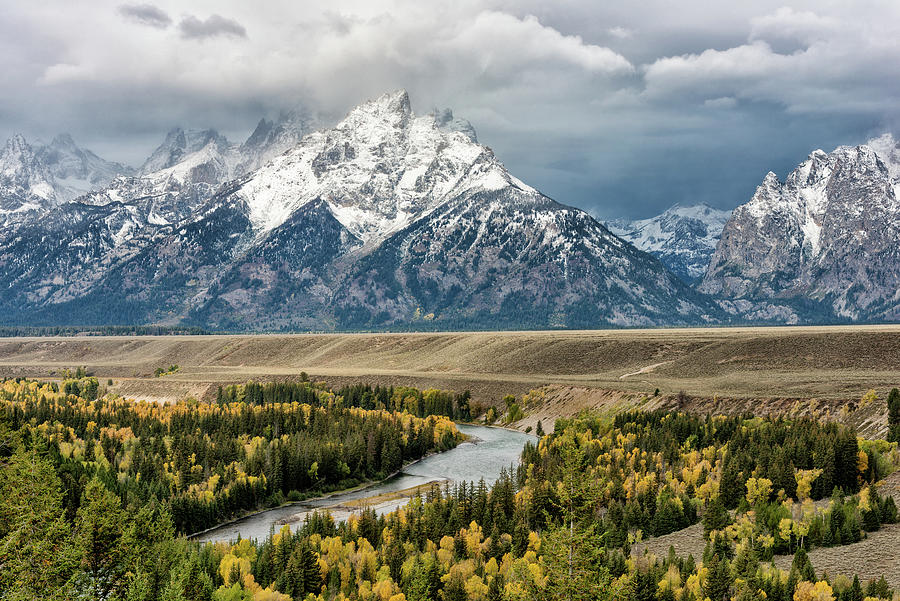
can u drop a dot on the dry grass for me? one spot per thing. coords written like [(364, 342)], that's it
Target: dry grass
[(830, 363)]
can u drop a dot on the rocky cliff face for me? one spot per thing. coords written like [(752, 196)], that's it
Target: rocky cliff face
[(821, 245)]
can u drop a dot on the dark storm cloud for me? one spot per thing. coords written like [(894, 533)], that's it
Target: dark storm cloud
[(612, 107), (146, 14), (214, 25)]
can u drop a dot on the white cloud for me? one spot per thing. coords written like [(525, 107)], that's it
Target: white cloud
[(789, 25), (582, 120)]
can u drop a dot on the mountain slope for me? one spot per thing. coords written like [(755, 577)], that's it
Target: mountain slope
[(683, 238), (825, 238), (386, 220), (447, 233)]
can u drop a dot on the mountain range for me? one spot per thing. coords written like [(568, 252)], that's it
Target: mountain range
[(34, 179), (388, 219)]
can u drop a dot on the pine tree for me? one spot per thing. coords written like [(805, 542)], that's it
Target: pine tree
[(36, 551), (454, 590), (893, 402), (855, 592), (495, 588), (731, 486), (309, 566), (718, 581), (189, 583), (98, 528), (802, 567), (572, 552), (716, 516)]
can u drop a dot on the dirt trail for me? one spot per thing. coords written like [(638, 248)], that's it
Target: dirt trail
[(644, 370)]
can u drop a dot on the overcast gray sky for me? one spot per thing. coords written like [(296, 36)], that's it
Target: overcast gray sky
[(619, 108)]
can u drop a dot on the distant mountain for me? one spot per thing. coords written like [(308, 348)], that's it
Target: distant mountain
[(36, 178), (76, 170), (822, 245), (386, 220), (683, 238)]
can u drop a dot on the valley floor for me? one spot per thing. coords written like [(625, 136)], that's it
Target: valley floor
[(831, 364)]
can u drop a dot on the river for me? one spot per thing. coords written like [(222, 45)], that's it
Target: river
[(491, 450)]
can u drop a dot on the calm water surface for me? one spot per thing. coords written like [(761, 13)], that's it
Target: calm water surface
[(492, 450)]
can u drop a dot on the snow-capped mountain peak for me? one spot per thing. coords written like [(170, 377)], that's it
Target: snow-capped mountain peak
[(25, 182), (682, 237), (392, 110), (34, 179), (377, 169), (179, 144), (445, 120), (827, 235)]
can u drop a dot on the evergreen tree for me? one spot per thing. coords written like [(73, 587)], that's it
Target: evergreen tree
[(37, 555), (893, 402), (716, 516), (454, 590), (802, 567), (855, 593), (731, 486), (718, 581), (572, 552), (189, 583), (98, 528)]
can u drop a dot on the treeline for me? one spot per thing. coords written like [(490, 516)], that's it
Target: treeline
[(135, 330), (421, 403), (211, 462)]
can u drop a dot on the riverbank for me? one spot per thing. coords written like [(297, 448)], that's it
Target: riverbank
[(316, 499), (497, 449)]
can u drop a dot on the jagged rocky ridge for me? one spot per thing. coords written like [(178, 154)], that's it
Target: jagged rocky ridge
[(386, 220), (34, 179), (682, 237), (820, 246)]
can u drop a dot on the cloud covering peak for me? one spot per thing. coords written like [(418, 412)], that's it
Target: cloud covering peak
[(621, 109)]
